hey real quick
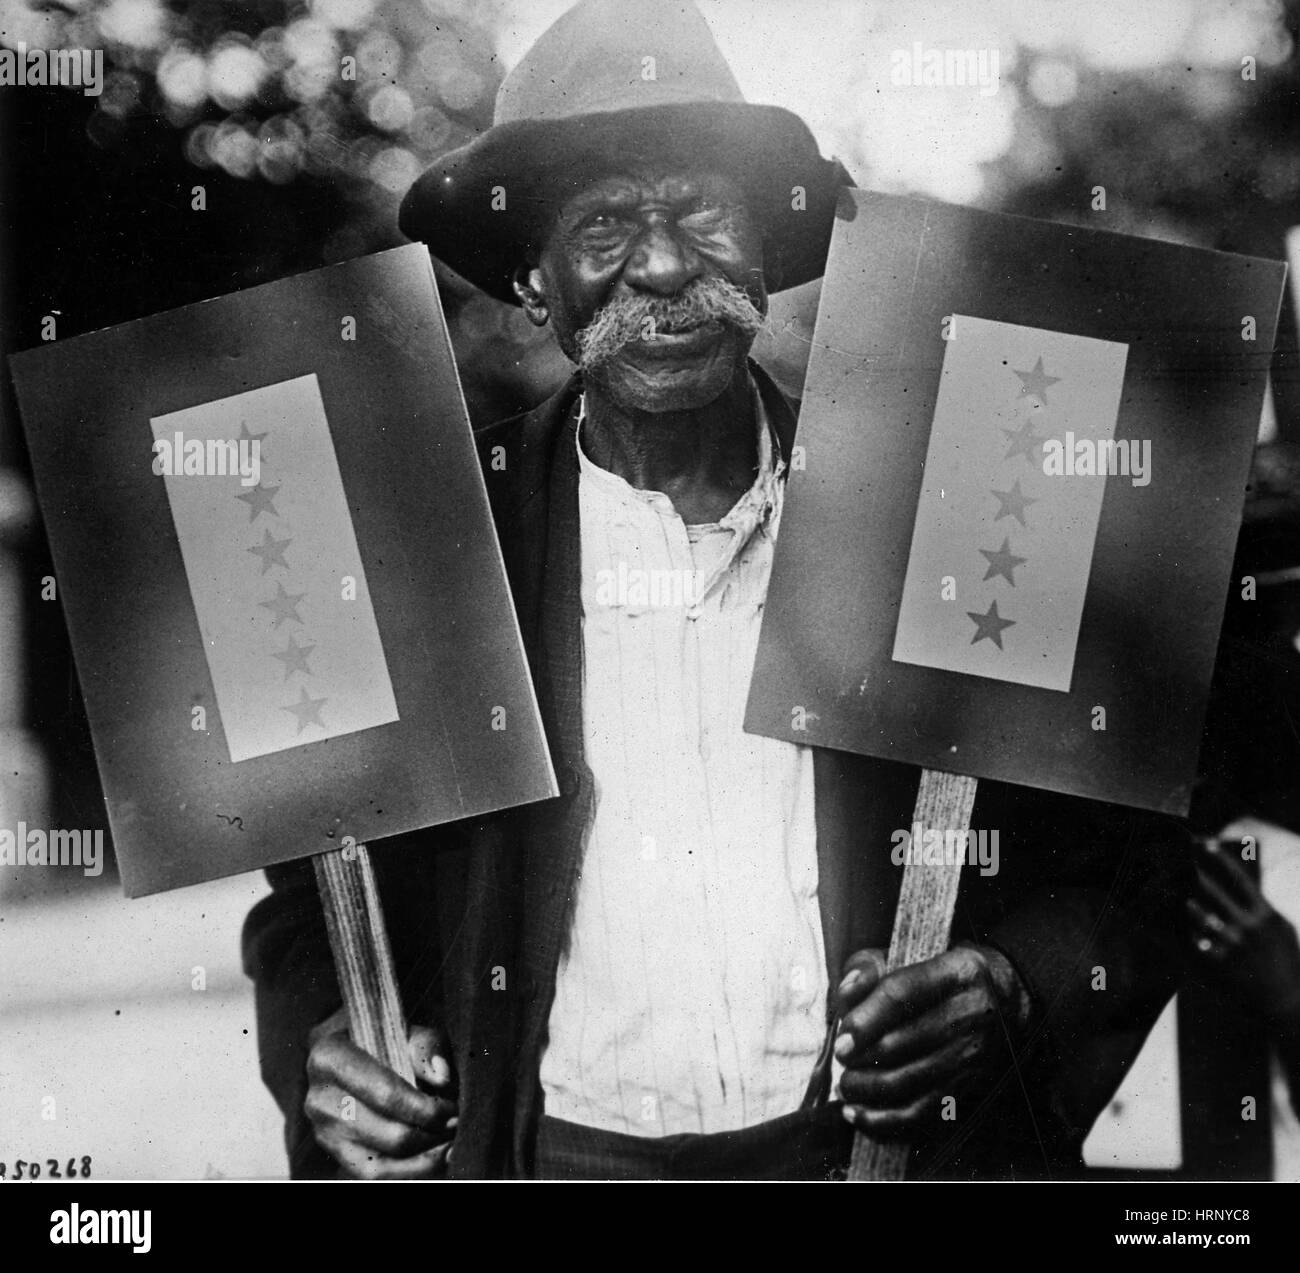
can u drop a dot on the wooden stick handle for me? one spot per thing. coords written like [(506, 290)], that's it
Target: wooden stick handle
[(922, 927), (362, 958)]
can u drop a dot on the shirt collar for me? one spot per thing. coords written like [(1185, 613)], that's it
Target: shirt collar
[(756, 507)]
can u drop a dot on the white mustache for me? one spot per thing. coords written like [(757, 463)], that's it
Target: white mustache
[(629, 318)]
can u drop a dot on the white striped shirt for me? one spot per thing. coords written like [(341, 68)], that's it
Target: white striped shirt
[(692, 995)]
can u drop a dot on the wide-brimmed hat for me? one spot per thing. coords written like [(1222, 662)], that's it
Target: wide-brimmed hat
[(610, 84)]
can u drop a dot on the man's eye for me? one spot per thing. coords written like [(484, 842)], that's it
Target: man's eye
[(702, 213), (603, 221)]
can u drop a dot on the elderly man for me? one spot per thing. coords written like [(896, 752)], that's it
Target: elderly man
[(675, 969)]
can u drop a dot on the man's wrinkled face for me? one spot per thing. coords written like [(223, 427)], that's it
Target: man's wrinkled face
[(654, 283)]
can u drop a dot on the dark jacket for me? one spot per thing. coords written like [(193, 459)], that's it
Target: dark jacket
[(1085, 903)]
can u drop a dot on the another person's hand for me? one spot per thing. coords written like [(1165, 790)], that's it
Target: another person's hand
[(373, 1123), (910, 1038), (1236, 931)]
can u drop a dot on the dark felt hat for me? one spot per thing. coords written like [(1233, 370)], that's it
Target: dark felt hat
[(610, 84)]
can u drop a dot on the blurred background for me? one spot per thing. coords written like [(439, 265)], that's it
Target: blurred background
[(1187, 111)]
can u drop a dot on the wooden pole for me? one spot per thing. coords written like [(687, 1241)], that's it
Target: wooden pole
[(359, 940), (922, 927)]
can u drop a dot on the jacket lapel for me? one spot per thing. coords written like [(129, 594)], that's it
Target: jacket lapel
[(860, 802), (553, 858), (537, 515)]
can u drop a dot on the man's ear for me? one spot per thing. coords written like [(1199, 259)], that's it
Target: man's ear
[(773, 268), (529, 288)]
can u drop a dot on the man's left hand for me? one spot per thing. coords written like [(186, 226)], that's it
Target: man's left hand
[(909, 1038)]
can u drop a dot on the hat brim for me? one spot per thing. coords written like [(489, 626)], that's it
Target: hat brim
[(480, 207)]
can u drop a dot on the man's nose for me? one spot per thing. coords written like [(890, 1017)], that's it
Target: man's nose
[(661, 263)]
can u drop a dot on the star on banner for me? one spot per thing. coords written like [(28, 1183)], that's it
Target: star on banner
[(1035, 384), (1024, 441), (306, 709), (1013, 503), (260, 500), (284, 605), (1003, 562), (294, 657), (989, 624), (246, 436), (271, 551)]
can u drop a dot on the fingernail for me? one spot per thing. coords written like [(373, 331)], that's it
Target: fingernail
[(850, 1113), (453, 1122), (439, 1071), (851, 980), (843, 1046)]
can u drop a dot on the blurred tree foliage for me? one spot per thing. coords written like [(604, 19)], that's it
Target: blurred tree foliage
[(1204, 155), (303, 122)]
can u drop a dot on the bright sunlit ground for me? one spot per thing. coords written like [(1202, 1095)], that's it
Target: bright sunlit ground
[(104, 1031)]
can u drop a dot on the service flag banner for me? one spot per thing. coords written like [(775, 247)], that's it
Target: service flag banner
[(1033, 538), (1014, 498), (284, 591), (263, 565)]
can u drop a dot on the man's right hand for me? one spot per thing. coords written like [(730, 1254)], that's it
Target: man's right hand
[(374, 1124)]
